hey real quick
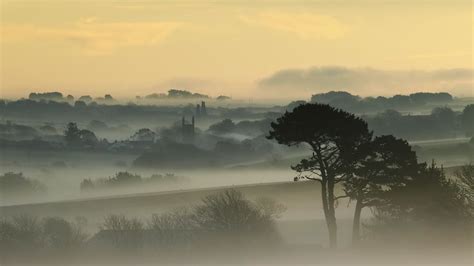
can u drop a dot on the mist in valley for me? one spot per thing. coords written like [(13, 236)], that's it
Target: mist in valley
[(236, 133), (134, 189)]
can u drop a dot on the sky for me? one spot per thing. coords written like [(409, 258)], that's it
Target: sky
[(244, 49)]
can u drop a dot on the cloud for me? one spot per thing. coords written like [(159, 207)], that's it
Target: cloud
[(95, 37), (369, 81), (304, 25)]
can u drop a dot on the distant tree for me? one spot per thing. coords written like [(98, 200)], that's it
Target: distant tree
[(76, 137), (59, 233), (225, 126), (125, 178), (467, 120), (428, 97), (156, 96), (336, 98), (335, 138), (53, 96), (445, 116), (86, 184), (85, 98), (401, 100), (223, 98), (80, 104), (14, 184), (390, 162), (185, 94), (88, 138), (70, 98), (144, 134), (72, 134)]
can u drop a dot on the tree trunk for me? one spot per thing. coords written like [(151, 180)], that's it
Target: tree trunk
[(356, 222), (324, 196), (331, 219)]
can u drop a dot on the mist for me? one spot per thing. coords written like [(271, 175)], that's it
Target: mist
[(236, 133)]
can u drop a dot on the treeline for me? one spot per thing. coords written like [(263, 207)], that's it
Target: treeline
[(176, 94), (443, 122), (81, 110), (123, 179), (59, 97), (354, 103)]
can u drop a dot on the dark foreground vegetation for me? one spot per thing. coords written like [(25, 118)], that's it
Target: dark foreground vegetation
[(222, 221), (382, 173)]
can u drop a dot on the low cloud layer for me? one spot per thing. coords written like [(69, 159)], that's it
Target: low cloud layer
[(370, 81)]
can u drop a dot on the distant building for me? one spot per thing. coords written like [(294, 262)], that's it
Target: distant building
[(201, 110), (198, 110), (187, 130)]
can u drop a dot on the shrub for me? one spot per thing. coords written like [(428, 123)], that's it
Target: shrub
[(173, 228), (122, 232), (12, 184), (229, 211), (26, 232), (121, 223), (60, 233)]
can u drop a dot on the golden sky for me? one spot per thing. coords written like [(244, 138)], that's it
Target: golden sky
[(233, 47)]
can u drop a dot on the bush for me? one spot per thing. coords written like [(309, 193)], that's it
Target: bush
[(20, 233), (230, 212), (226, 218), (12, 184), (173, 228), (59, 233), (431, 208), (122, 232)]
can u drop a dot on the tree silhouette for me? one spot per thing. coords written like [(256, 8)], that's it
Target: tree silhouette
[(431, 198), (72, 134), (335, 138), (76, 137), (467, 120), (389, 162)]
